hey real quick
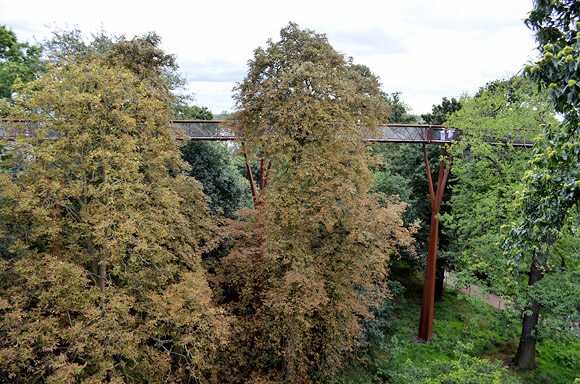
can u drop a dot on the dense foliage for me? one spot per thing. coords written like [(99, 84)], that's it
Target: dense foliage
[(549, 199), (137, 54), (440, 113), (213, 166), (464, 369), (18, 61), (488, 169), (308, 266), (126, 258), (101, 264), (489, 172), (183, 110)]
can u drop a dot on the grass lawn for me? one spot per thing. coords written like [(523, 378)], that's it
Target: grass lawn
[(459, 321)]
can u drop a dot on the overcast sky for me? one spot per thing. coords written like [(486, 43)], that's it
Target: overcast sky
[(426, 49)]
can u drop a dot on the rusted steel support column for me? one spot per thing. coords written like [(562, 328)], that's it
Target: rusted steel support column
[(427, 308)]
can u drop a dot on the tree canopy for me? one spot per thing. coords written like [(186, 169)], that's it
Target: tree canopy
[(141, 55), (551, 193), (440, 113), (129, 256), (103, 234), (213, 166), (307, 264), (488, 171), (18, 61)]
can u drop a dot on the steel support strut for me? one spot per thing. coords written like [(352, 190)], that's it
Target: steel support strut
[(427, 308)]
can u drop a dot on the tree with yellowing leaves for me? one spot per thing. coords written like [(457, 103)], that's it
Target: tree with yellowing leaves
[(310, 261), (102, 233)]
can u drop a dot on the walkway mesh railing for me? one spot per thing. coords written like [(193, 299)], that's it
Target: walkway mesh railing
[(221, 130)]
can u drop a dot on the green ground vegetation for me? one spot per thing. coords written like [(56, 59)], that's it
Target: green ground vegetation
[(473, 338)]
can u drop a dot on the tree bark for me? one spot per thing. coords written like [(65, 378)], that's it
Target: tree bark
[(526, 355), (250, 176), (97, 266), (102, 274), (290, 358)]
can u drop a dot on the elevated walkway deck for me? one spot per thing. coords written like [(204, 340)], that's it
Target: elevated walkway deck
[(394, 133), (387, 133), (216, 130)]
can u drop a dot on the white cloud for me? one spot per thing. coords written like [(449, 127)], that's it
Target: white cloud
[(217, 96), (425, 49)]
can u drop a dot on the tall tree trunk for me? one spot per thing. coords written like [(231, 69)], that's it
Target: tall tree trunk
[(97, 266), (102, 274), (290, 358), (250, 176), (526, 355)]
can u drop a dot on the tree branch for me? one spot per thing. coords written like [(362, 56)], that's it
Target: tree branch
[(249, 169), (499, 169)]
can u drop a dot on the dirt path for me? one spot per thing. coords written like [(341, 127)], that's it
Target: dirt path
[(490, 298)]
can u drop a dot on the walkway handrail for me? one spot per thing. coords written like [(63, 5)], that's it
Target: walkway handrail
[(401, 133), (219, 130), (386, 133)]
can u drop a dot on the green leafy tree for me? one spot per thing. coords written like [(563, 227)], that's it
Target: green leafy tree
[(440, 113), (18, 61), (307, 266), (213, 166), (184, 110), (137, 53), (102, 279), (488, 170), (552, 187), (400, 112), (72, 44), (223, 115), (141, 55)]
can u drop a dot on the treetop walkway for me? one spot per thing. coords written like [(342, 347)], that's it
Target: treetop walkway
[(220, 130), (394, 133), (387, 133)]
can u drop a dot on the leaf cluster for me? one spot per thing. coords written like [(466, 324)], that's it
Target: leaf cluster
[(552, 184), (19, 62), (463, 369)]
